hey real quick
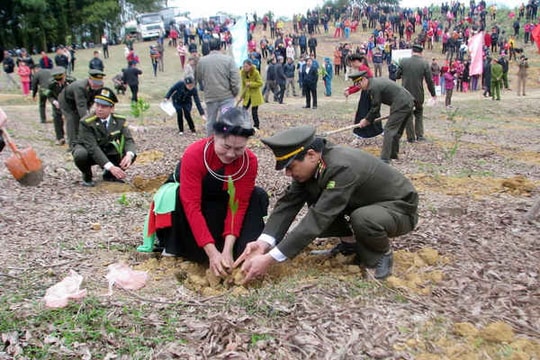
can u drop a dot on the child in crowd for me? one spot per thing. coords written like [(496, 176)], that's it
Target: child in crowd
[(449, 83), (24, 73)]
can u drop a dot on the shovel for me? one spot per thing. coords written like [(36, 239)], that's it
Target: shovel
[(24, 165)]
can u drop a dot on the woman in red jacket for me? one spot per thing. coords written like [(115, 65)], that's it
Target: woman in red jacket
[(207, 225)]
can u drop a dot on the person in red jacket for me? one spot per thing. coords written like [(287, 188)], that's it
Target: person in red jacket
[(207, 224)]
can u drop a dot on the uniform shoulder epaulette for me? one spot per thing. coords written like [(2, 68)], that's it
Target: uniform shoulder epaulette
[(88, 120)]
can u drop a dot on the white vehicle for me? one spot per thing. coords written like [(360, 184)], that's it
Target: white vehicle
[(150, 26)]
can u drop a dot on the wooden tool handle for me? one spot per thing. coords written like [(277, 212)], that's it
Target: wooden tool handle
[(349, 127), (8, 140)]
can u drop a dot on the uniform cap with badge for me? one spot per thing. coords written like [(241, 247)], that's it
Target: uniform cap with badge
[(106, 97), (96, 76), (417, 48), (58, 72), (357, 75), (286, 145)]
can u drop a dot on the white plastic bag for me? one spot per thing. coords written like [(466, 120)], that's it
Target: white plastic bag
[(125, 277), (168, 107), (58, 295)]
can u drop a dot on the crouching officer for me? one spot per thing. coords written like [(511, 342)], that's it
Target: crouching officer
[(104, 139), (76, 101), (350, 194)]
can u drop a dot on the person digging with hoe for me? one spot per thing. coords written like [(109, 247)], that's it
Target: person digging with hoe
[(104, 139), (401, 102), (350, 194)]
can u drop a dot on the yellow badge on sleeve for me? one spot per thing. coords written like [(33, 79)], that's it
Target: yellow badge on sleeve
[(331, 184)]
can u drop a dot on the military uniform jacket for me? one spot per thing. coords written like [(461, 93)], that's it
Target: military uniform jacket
[(414, 71), (347, 179), (54, 88), (386, 91), (40, 80), (78, 97), (97, 139)]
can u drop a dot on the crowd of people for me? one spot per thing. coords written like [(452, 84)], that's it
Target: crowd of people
[(210, 209)]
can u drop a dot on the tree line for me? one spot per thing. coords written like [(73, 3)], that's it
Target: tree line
[(42, 24)]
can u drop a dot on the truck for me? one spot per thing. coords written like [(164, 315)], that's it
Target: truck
[(150, 26)]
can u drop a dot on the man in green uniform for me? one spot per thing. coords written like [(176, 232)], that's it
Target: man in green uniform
[(76, 100), (58, 83), (385, 91), (414, 71), (104, 139), (496, 79), (40, 81), (349, 193)]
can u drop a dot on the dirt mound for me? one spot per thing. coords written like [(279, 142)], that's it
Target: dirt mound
[(473, 185), (152, 184), (413, 271), (149, 156)]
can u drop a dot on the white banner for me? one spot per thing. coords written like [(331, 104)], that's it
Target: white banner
[(239, 41)]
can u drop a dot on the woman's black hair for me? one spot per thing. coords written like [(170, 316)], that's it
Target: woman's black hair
[(234, 121), (222, 128)]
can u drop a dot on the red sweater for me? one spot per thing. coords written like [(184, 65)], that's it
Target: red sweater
[(192, 173)]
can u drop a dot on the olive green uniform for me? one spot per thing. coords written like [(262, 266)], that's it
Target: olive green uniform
[(94, 144), (352, 192), (75, 102), (414, 71), (401, 102), (54, 89), (496, 80), (40, 81)]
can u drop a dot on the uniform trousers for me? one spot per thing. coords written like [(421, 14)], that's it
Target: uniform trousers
[(58, 122), (42, 108), (415, 128), (393, 130), (373, 225)]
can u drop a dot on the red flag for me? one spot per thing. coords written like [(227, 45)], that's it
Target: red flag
[(536, 36), (476, 43)]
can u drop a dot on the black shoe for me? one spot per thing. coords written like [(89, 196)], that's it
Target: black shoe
[(410, 140), (87, 181), (344, 248), (305, 107), (383, 268), (421, 138)]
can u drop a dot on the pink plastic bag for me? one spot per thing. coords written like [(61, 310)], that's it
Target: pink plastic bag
[(58, 295), (125, 277)]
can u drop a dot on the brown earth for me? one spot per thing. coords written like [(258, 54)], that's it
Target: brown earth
[(465, 282)]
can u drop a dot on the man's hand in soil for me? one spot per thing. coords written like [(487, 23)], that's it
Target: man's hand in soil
[(252, 249), (118, 172), (256, 267)]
